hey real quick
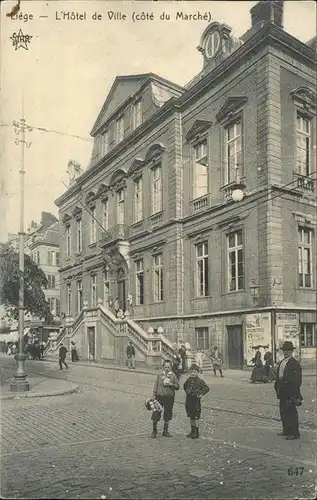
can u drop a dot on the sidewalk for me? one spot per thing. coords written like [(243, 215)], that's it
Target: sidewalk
[(39, 387), (228, 374)]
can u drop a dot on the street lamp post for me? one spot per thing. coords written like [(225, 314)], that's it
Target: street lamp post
[(19, 383)]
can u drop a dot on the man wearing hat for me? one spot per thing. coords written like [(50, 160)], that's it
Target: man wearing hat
[(287, 388)]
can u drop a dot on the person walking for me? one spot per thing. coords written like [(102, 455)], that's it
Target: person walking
[(182, 354), (216, 360), (164, 392), (62, 356), (176, 362), (194, 388), (131, 355), (42, 348), (257, 374), (268, 364), (287, 387), (73, 351)]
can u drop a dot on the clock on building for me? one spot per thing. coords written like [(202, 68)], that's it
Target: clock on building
[(215, 43)]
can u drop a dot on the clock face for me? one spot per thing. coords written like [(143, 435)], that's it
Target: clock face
[(212, 44)]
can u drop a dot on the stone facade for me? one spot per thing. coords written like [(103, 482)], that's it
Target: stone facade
[(260, 83)]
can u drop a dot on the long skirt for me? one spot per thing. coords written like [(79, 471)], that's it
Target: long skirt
[(258, 374)]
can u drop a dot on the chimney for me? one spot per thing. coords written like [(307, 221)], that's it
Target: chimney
[(74, 170), (270, 11)]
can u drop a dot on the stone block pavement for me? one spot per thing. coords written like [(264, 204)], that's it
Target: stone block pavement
[(96, 444)]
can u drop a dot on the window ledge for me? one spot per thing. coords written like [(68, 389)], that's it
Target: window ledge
[(202, 298)]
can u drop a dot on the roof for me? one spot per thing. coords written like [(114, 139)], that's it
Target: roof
[(123, 88)]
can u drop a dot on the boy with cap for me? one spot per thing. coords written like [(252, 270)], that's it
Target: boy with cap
[(164, 392), (194, 388)]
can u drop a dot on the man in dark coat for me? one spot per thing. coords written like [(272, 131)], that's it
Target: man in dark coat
[(182, 354), (62, 356), (287, 388)]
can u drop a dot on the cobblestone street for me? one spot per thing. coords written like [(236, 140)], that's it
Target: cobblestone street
[(96, 444)]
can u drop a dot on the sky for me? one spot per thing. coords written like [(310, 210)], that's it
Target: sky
[(68, 70)]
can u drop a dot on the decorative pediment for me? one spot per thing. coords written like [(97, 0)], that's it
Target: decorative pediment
[(230, 107), (66, 219), (117, 177), (136, 167), (305, 96), (91, 196), (197, 130), (154, 153), (77, 212), (102, 190)]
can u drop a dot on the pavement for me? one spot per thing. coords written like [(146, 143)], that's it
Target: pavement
[(96, 443)]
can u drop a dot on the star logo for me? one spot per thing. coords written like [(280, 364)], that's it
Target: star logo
[(19, 40)]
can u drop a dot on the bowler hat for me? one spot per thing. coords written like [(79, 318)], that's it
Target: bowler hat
[(288, 346)]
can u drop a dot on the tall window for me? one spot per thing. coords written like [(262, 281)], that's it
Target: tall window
[(202, 338), (137, 114), (120, 206), (57, 259), (233, 156), (69, 297), (53, 258), (51, 281), (68, 242), (93, 289), (156, 189), (139, 274), (308, 334), (305, 250), (138, 200), (79, 296), (303, 160), (79, 236), (38, 257), (105, 214), (119, 130), (105, 143), (106, 287), (235, 261), (158, 277), (93, 228), (202, 284), (200, 180)]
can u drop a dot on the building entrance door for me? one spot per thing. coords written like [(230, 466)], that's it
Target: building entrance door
[(235, 347), (121, 288), (91, 332)]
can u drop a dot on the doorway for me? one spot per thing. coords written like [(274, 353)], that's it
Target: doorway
[(235, 347), (91, 333), (121, 288)]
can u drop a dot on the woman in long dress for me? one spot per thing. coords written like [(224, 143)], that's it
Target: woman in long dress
[(258, 374)]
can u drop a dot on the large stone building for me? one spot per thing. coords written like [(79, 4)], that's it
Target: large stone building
[(152, 221)]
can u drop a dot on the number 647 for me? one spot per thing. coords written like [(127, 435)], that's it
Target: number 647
[(296, 471)]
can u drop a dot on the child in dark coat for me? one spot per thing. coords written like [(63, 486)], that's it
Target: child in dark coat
[(194, 388)]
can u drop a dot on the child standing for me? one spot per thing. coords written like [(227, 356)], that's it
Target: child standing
[(199, 356), (194, 388), (164, 392)]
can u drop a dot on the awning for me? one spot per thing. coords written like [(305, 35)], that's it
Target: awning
[(12, 336), (9, 337)]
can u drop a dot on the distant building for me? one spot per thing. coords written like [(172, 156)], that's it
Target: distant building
[(42, 246), (153, 219)]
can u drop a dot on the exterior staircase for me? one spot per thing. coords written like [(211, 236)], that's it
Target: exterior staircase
[(111, 337)]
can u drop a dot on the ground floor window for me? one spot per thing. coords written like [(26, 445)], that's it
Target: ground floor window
[(308, 335), (202, 338)]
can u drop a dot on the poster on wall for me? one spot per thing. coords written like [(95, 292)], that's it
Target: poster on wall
[(257, 332), (287, 328)]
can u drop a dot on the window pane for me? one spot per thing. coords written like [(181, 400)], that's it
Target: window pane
[(231, 240), (239, 237)]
